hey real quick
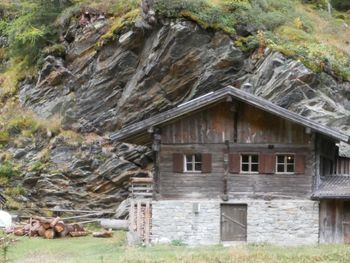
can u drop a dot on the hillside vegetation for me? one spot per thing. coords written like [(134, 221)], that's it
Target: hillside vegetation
[(303, 30)]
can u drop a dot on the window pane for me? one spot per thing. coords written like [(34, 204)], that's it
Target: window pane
[(290, 159), (198, 158), (198, 166), (245, 158), (189, 167), (188, 158), (255, 167), (245, 167), (255, 158), (280, 159), (280, 168), (290, 168)]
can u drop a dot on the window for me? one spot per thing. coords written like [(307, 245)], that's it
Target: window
[(193, 163), (285, 163), (249, 163)]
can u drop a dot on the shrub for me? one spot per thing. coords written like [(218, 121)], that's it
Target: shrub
[(22, 123), (4, 137), (8, 170)]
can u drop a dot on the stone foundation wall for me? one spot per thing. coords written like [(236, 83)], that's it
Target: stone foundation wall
[(282, 222)]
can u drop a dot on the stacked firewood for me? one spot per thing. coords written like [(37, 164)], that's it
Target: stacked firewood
[(50, 228)]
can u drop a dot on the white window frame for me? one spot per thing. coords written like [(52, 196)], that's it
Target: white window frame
[(193, 161), (285, 163), (250, 163)]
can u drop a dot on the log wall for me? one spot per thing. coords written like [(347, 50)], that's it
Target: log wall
[(233, 128), (175, 185)]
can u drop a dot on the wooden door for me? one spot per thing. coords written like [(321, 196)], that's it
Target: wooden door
[(233, 222), (346, 222)]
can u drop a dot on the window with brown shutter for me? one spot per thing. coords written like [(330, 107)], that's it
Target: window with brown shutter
[(299, 164), (234, 163), (267, 163), (206, 163), (178, 163)]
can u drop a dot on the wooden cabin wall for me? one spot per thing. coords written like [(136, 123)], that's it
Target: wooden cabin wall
[(211, 185), (334, 221), (191, 185), (234, 122), (248, 130), (258, 126), (326, 152), (212, 125)]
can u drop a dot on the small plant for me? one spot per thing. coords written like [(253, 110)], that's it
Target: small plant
[(5, 243), (8, 170), (4, 137), (178, 243)]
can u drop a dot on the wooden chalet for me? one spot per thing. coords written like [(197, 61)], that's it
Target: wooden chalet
[(230, 166)]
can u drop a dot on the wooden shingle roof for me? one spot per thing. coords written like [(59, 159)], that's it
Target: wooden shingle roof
[(333, 187), (130, 132)]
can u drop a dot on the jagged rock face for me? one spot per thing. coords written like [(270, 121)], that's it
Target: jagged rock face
[(88, 175), (143, 72), (139, 74), (291, 85)]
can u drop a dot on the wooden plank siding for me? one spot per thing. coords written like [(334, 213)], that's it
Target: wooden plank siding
[(177, 185), (211, 125), (334, 221)]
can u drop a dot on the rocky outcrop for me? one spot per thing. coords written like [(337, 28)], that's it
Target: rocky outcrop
[(146, 69), (86, 175)]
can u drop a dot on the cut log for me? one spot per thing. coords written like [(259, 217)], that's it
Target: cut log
[(19, 231), (104, 234), (67, 229), (59, 227), (49, 233), (54, 222), (115, 224), (78, 228), (41, 231), (79, 233)]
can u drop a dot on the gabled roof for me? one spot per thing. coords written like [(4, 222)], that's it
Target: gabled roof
[(139, 128), (333, 187)]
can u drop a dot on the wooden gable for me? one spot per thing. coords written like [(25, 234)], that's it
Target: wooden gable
[(235, 122)]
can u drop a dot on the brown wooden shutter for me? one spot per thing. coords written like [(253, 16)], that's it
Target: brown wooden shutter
[(234, 163), (178, 163), (206, 163), (299, 164), (267, 163)]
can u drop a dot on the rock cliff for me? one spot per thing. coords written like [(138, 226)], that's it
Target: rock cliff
[(149, 67)]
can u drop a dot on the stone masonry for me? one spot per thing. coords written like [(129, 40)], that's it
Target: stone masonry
[(282, 222)]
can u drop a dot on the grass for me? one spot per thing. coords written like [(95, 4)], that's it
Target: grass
[(303, 32), (90, 250)]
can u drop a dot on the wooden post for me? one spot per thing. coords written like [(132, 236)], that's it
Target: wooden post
[(156, 157), (132, 215), (138, 218), (226, 156), (147, 222)]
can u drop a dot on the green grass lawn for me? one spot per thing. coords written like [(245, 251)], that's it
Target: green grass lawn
[(89, 249)]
